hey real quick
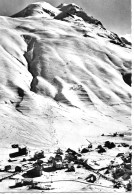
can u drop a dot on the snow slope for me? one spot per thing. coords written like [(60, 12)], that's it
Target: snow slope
[(62, 78)]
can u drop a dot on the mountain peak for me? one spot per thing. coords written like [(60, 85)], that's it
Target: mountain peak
[(68, 7), (62, 12), (38, 9)]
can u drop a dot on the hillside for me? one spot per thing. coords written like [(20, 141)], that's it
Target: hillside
[(64, 78)]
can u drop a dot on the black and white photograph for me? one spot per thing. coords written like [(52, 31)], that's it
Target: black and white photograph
[(65, 96)]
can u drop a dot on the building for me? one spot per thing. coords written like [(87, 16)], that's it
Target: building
[(58, 157), (39, 155), (57, 162), (71, 166), (58, 165), (34, 172), (21, 151)]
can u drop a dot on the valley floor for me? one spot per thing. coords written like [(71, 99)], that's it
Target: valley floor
[(97, 167)]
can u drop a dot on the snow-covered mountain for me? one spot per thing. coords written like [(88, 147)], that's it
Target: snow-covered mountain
[(64, 77)]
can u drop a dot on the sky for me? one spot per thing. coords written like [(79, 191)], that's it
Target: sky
[(115, 15)]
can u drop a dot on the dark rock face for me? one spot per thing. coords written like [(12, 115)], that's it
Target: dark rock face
[(127, 78), (126, 41)]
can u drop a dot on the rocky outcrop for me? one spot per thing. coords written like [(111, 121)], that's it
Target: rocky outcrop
[(126, 41)]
